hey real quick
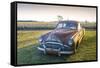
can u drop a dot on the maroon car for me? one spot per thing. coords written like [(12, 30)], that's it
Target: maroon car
[(64, 39)]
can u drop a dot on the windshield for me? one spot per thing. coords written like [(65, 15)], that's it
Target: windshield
[(67, 25)]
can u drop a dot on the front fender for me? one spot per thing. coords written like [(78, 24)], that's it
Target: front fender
[(44, 37)]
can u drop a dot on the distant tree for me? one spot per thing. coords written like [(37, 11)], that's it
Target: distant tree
[(59, 18), (86, 21)]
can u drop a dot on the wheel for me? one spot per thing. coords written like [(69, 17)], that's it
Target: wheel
[(75, 47)]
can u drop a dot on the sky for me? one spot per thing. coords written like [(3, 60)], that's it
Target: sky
[(50, 12)]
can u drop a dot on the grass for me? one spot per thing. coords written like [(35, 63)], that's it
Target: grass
[(89, 24), (28, 54), (26, 38)]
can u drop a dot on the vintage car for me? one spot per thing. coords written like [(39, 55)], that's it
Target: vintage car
[(64, 39)]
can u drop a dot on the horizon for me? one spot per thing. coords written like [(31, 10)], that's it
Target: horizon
[(51, 21)]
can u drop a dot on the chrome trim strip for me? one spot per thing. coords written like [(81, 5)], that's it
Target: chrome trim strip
[(55, 43), (42, 49), (67, 46)]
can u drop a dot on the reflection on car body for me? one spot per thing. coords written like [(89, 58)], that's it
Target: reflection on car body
[(64, 39)]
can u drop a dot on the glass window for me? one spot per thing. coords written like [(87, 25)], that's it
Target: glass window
[(67, 25), (60, 25)]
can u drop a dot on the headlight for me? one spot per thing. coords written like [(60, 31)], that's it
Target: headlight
[(70, 42), (40, 40)]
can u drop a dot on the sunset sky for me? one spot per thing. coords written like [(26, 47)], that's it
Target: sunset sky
[(50, 12)]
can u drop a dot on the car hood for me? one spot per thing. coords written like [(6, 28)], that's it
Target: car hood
[(63, 34)]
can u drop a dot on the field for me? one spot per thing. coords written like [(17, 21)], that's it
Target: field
[(48, 25), (36, 25), (27, 52)]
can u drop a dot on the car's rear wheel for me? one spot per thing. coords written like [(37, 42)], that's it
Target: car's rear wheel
[(75, 47)]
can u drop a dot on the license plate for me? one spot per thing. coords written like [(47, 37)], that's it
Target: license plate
[(52, 51)]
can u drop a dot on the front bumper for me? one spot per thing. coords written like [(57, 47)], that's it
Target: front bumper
[(59, 52), (53, 47)]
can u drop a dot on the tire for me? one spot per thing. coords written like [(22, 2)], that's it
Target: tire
[(75, 47)]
